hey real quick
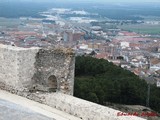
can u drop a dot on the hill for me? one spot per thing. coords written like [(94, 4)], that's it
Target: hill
[(100, 81)]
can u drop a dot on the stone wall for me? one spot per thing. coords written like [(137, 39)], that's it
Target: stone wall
[(8, 68), (15, 69), (81, 108), (58, 64), (29, 69), (25, 66)]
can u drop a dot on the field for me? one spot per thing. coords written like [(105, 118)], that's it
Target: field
[(142, 28)]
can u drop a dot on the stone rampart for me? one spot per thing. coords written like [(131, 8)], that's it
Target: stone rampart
[(81, 108)]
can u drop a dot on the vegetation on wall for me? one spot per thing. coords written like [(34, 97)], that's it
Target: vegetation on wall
[(100, 81)]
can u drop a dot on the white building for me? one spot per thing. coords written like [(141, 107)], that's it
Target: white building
[(124, 44)]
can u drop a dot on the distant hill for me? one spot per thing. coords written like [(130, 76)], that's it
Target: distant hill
[(100, 81), (122, 11)]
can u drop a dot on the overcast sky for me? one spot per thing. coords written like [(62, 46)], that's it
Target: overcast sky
[(88, 0)]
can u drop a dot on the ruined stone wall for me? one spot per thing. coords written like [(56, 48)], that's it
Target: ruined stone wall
[(29, 69), (58, 63)]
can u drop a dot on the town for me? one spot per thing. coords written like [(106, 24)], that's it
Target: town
[(106, 39)]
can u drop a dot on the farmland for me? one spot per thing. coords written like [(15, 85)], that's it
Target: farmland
[(142, 28)]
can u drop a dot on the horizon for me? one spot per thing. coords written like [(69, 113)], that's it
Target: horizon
[(86, 1)]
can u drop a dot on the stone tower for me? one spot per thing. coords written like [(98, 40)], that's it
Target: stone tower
[(37, 69)]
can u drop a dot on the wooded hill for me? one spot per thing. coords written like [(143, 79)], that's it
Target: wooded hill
[(100, 81)]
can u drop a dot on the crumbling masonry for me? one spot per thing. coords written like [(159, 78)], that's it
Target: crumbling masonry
[(37, 69)]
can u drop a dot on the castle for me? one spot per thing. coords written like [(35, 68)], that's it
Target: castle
[(46, 75)]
